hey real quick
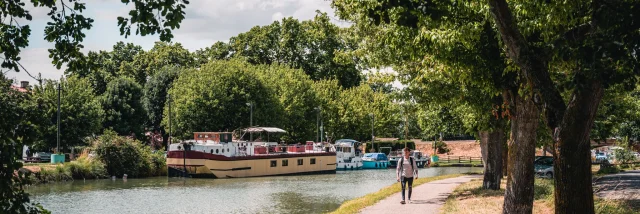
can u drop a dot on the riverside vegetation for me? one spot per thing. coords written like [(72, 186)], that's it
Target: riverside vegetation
[(115, 156)]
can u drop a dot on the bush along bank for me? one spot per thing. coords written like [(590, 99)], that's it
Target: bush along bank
[(115, 156), (122, 155)]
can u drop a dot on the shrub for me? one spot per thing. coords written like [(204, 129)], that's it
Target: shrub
[(85, 168), (121, 155), (442, 148), (608, 170), (624, 155)]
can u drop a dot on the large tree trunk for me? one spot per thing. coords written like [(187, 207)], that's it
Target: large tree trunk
[(491, 146), (572, 165), (571, 125), (518, 197)]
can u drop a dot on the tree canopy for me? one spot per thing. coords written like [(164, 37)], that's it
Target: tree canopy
[(122, 105), (313, 46), (81, 114)]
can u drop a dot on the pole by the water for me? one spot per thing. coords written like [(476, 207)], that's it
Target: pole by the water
[(318, 125), (58, 134), (169, 141), (251, 121)]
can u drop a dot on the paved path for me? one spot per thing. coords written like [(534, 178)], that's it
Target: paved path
[(623, 186), (427, 198)]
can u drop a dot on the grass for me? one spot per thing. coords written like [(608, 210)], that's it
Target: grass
[(83, 168), (357, 204), (471, 198)]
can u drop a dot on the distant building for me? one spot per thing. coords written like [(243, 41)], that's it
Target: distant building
[(23, 87)]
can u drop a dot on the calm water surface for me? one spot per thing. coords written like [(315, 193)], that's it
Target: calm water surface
[(285, 194)]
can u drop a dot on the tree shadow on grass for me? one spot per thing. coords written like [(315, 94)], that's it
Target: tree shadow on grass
[(476, 192)]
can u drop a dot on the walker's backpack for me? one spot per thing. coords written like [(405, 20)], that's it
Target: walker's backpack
[(401, 161)]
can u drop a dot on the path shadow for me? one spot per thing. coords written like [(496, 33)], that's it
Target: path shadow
[(436, 201)]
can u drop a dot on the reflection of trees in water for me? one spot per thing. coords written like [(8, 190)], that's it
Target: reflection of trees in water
[(294, 202)]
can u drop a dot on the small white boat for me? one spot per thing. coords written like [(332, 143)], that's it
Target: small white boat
[(348, 156)]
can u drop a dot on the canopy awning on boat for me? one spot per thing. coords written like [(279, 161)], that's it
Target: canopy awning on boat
[(265, 129)]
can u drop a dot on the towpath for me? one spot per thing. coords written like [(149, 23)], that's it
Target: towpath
[(427, 198), (621, 186)]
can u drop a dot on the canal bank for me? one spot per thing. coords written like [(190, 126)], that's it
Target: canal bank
[(279, 194)]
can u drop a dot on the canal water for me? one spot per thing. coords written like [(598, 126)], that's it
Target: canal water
[(281, 194)]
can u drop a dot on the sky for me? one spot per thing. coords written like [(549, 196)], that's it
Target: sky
[(206, 22)]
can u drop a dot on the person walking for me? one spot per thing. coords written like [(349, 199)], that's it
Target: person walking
[(406, 172)]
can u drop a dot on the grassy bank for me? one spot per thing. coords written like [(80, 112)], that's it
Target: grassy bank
[(471, 198), (80, 169), (83, 168), (357, 204)]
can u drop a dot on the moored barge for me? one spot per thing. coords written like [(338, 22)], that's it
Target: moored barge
[(219, 155)]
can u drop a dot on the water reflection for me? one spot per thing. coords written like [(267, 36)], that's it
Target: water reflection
[(286, 194)]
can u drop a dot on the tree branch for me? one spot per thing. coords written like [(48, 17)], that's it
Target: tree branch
[(533, 67)]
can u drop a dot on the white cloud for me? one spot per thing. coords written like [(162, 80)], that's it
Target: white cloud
[(277, 16)]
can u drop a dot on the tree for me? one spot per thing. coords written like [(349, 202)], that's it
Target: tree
[(380, 82), (312, 46), (81, 114), (215, 97), (630, 126), (328, 94), (293, 89), (68, 23), (218, 51), (155, 97), (122, 104), (435, 119), (145, 64), (597, 50), (618, 109), (104, 66), (15, 131), (455, 66), (350, 115)]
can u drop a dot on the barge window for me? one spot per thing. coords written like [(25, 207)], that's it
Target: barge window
[(274, 163), (300, 162), (285, 162), (313, 161), (211, 151), (217, 151)]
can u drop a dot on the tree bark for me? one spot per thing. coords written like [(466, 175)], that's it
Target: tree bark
[(531, 62), (491, 146), (518, 197), (572, 165)]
